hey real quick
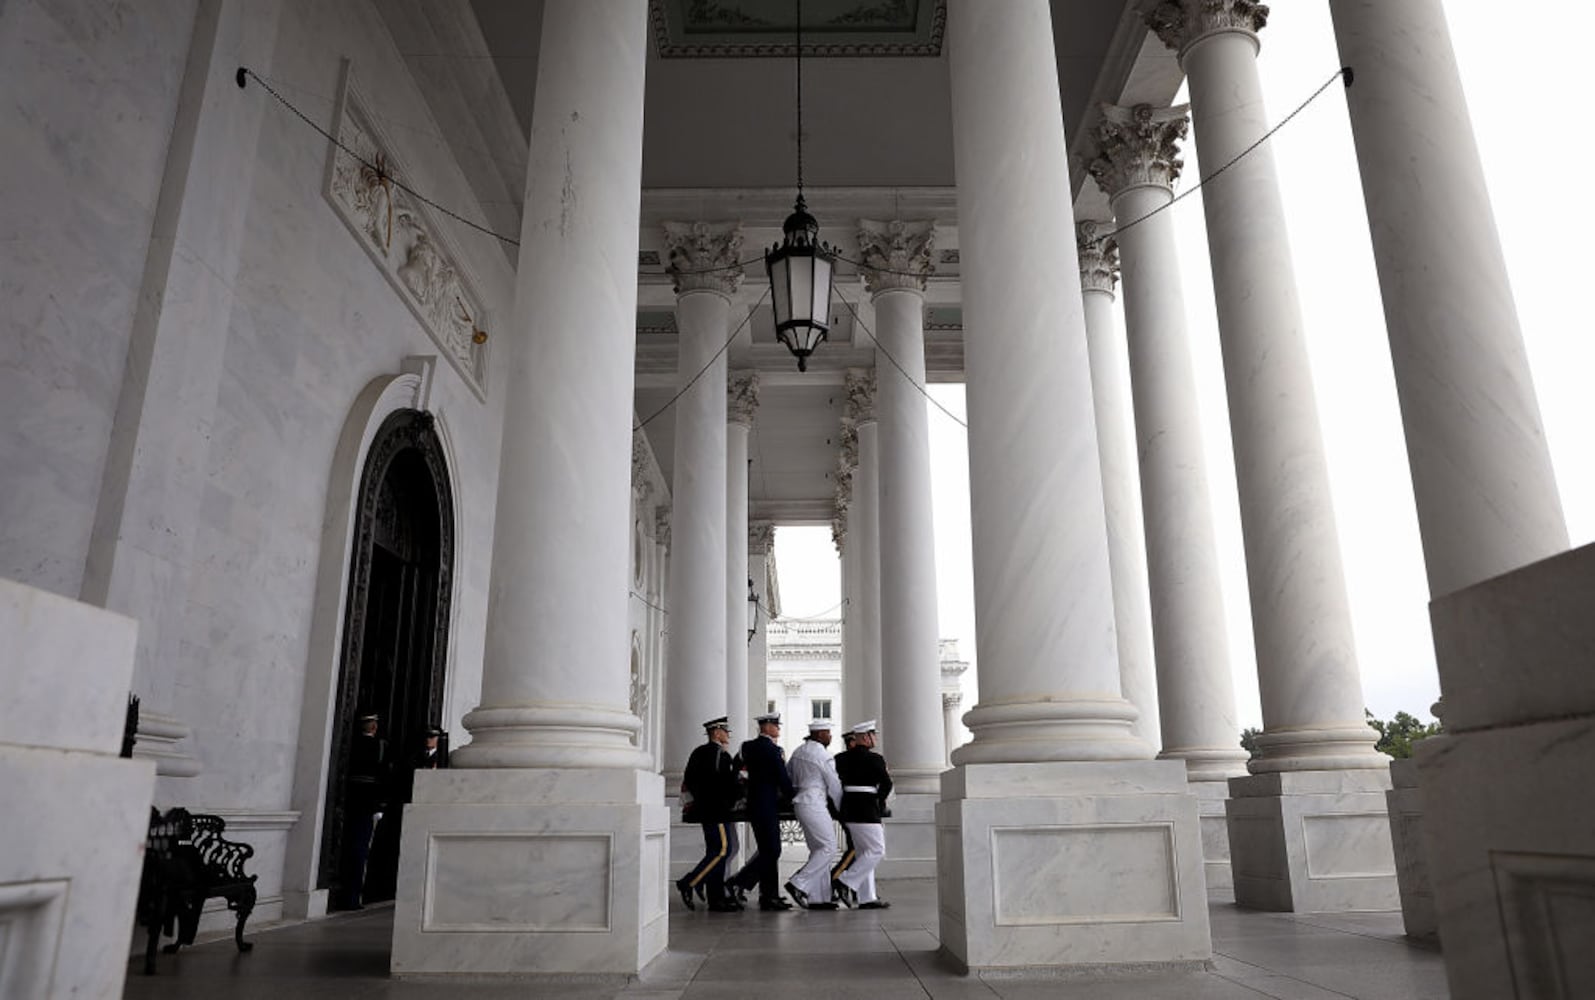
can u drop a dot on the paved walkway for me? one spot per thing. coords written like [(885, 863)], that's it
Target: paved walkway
[(880, 955)]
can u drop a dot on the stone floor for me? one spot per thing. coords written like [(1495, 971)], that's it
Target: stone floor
[(881, 954)]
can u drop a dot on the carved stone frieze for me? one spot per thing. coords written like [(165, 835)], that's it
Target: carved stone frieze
[(860, 389), (896, 254), (1181, 22), (839, 532), (761, 537), (662, 526), (1099, 257), (1138, 146), (742, 397), (404, 239), (703, 256)]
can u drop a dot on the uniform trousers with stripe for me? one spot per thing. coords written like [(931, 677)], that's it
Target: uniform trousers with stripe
[(814, 878), (869, 845), (719, 843)]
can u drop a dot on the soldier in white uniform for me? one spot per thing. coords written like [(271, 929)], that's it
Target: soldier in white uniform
[(819, 792)]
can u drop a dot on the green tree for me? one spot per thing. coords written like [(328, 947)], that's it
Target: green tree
[(1249, 740), (1397, 736)]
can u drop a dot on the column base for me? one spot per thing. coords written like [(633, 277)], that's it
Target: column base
[(523, 872), (1210, 799), (1404, 803), (1070, 865), (1312, 841), (910, 836)]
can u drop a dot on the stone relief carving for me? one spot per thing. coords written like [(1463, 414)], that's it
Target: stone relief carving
[(662, 526), (1099, 256), (742, 397), (761, 537), (896, 254), (1178, 23), (860, 389), (1138, 146), (403, 239), (704, 255)]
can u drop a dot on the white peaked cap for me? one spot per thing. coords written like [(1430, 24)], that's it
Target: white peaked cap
[(867, 726), (820, 724)]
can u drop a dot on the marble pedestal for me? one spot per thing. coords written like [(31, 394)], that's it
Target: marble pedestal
[(76, 814), (910, 836), (1312, 841), (1210, 799), (1071, 864), (1404, 802), (532, 871), (1509, 813)]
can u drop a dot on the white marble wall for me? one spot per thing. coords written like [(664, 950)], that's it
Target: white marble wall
[(91, 92)]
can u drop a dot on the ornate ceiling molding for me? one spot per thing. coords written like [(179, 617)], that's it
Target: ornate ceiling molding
[(731, 29)]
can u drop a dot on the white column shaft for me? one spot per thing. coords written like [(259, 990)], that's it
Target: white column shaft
[(851, 709), (1306, 664), (697, 672), (1049, 677), (1195, 686), (1121, 497), (554, 678), (865, 532), (736, 573), (758, 652), (1481, 469), (950, 730), (910, 661)]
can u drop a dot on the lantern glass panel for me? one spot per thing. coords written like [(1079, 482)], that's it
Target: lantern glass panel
[(802, 271), (780, 289), (820, 309)]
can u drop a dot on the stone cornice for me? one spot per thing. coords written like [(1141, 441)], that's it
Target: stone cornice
[(742, 397), (1182, 23), (1138, 146), (1099, 257), (896, 254), (703, 256)]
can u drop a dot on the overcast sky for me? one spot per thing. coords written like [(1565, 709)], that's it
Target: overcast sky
[(1520, 74)]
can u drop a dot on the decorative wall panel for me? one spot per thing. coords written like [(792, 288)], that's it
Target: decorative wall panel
[(517, 882), (1084, 874)]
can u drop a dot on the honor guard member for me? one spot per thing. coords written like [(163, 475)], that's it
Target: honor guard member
[(711, 781), (813, 774), (865, 785), (768, 787), (364, 791), (848, 853)]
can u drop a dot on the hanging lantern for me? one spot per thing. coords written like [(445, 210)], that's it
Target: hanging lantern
[(800, 268)]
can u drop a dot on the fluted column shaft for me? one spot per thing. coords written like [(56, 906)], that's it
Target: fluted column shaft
[(910, 667), (555, 687), (1049, 677), (1121, 492), (742, 403), (1306, 663), (1481, 470)]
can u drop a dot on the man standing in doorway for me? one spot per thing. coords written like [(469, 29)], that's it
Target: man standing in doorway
[(711, 780), (768, 787), (813, 774), (865, 785)]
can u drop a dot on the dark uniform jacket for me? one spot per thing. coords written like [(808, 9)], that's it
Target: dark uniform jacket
[(769, 786), (367, 786), (858, 767), (711, 777)]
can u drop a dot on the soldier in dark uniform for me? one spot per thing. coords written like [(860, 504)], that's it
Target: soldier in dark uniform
[(865, 785), (711, 779), (768, 788), (849, 853), (364, 792)]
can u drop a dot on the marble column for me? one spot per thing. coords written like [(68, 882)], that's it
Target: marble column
[(761, 559), (1481, 470), (864, 532), (1486, 497), (702, 260), (552, 756), (852, 618), (897, 255), (742, 402), (1316, 754), (1137, 163), (950, 703), (1121, 489), (1054, 824), (139, 559)]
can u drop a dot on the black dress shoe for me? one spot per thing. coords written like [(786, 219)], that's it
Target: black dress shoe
[(686, 894), (842, 893), (822, 906), (875, 904), (774, 904), (725, 907), (799, 897)]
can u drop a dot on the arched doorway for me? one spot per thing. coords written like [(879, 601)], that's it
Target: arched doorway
[(395, 640)]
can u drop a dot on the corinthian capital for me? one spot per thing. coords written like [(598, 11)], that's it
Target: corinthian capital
[(704, 255), (896, 254), (1099, 257), (1138, 146), (860, 388), (742, 397), (1179, 23)]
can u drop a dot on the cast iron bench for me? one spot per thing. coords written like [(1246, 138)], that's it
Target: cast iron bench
[(187, 861)]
